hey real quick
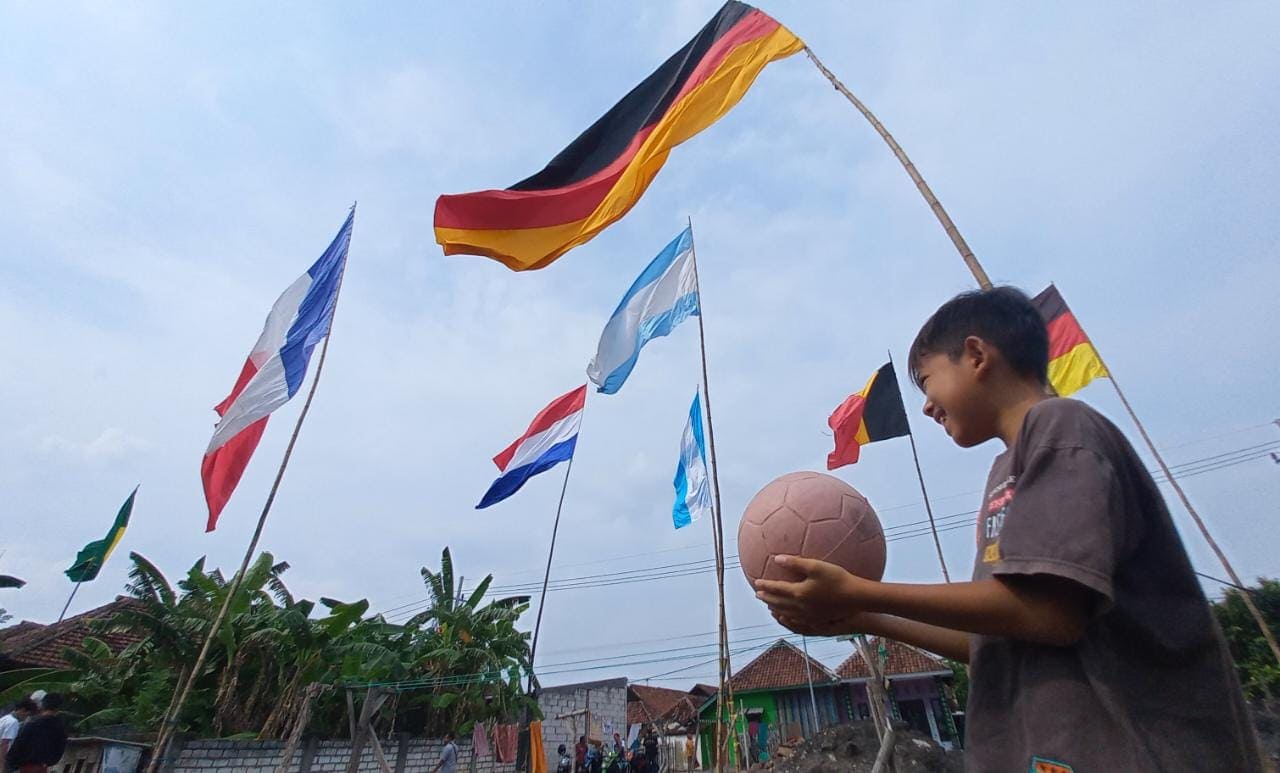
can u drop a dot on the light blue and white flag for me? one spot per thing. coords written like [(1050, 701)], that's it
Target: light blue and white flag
[(693, 486), (665, 294)]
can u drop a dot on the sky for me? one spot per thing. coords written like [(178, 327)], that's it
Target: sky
[(166, 171)]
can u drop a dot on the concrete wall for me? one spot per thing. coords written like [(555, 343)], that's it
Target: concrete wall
[(608, 703), (404, 755)]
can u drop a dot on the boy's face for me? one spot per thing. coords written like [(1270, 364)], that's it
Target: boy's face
[(954, 395)]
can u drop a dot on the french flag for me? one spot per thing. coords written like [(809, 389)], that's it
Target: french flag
[(549, 440), (274, 371)]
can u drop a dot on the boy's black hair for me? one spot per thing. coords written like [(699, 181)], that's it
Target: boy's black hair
[(51, 701), (1002, 316), (26, 704)]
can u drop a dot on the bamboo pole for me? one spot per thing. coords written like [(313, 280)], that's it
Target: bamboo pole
[(171, 720), (724, 702), (961, 245), (1245, 595), (299, 725), (984, 281)]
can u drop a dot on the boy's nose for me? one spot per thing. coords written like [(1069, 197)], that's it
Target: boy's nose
[(928, 408)]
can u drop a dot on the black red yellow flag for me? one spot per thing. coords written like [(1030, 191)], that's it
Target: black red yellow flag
[(604, 172), (875, 413), (1073, 362)]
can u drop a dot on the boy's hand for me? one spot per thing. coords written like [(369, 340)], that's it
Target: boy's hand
[(844, 626), (824, 592)]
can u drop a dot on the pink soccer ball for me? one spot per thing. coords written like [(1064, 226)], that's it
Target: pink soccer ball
[(814, 515)]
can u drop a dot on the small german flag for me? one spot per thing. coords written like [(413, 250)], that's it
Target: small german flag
[(875, 413), (1073, 362), (604, 172)]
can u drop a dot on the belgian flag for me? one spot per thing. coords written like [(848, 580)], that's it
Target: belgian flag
[(1073, 362), (875, 413), (604, 172)]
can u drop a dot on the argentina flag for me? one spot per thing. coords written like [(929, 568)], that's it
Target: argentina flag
[(693, 486), (664, 295)]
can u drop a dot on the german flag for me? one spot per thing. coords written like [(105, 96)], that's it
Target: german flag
[(875, 413), (605, 171), (1073, 362)]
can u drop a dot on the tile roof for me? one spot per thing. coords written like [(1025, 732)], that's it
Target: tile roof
[(32, 645), (647, 704), (663, 705), (780, 666), (903, 660)]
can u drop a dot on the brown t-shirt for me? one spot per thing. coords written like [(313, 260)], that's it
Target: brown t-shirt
[(1150, 686)]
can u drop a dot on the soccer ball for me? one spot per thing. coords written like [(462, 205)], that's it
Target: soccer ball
[(814, 515)]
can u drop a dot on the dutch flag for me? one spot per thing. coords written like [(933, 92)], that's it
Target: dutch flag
[(549, 440)]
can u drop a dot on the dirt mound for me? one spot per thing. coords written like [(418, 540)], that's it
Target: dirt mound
[(852, 748)]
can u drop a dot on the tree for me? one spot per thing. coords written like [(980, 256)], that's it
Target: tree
[(1256, 665), (460, 661)]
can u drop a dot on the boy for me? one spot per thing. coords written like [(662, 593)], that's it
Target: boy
[(9, 725), (41, 740), (1090, 643)]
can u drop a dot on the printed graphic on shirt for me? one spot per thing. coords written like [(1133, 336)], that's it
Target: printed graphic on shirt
[(1042, 765), (991, 520)]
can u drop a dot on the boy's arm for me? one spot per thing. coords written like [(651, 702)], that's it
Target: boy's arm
[(1039, 608), (936, 639)]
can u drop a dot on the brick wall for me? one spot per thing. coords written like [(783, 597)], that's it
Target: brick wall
[(606, 699), (408, 755)]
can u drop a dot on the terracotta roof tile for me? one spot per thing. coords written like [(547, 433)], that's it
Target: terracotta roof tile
[(647, 704), (903, 659), (32, 645), (782, 665)]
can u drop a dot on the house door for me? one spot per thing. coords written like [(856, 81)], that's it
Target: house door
[(916, 715)]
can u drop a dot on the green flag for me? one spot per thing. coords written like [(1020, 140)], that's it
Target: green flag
[(92, 556)]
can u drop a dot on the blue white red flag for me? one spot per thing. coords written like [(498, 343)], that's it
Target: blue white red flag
[(664, 295), (549, 440), (693, 488), (274, 371)]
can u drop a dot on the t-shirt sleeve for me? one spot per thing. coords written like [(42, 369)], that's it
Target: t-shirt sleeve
[(8, 728), (1064, 519)]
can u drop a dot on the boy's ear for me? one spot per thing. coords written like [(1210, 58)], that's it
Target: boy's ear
[(977, 355)]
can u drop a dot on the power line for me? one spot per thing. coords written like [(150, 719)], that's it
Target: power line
[(908, 530)]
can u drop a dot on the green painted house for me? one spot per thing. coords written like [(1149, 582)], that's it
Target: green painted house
[(773, 702)]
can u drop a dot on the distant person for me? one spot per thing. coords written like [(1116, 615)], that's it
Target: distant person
[(9, 725), (651, 749), (580, 755), (566, 762), (690, 752), (41, 740), (448, 756)]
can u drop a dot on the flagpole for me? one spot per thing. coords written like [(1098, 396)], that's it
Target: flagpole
[(961, 245), (725, 699), (546, 577), (1195, 516), (184, 688), (928, 508), (984, 282), (68, 604)]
